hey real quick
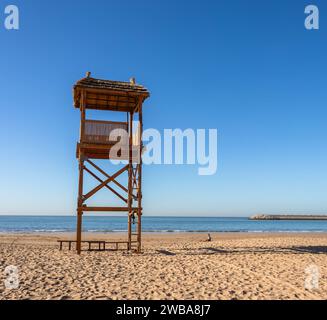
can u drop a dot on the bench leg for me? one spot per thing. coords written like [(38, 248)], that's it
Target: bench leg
[(70, 246), (60, 246)]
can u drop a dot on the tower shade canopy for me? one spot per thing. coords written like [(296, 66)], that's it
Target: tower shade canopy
[(110, 95)]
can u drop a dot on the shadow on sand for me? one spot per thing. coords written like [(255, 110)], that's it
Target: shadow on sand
[(167, 253), (242, 250), (311, 249)]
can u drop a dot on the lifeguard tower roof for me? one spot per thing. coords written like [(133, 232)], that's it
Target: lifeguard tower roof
[(109, 95)]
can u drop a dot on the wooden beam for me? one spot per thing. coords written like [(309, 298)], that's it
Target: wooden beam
[(130, 183), (80, 187), (111, 92), (105, 209), (109, 108), (96, 146), (139, 194), (83, 116), (107, 122)]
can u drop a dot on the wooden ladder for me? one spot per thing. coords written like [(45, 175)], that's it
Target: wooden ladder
[(134, 234)]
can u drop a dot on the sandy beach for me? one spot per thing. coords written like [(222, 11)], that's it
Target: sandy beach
[(172, 266)]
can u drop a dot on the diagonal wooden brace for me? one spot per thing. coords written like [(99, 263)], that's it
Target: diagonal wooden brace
[(108, 187), (104, 183), (106, 174)]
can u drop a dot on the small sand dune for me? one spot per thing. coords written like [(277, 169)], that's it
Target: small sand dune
[(172, 266)]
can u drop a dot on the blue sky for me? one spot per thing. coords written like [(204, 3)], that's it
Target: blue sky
[(248, 68)]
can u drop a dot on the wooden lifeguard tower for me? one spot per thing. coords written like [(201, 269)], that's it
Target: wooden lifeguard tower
[(98, 140)]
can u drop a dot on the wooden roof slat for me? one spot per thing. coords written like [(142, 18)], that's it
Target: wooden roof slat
[(111, 85)]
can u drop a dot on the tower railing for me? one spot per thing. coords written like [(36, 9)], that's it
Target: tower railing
[(99, 132)]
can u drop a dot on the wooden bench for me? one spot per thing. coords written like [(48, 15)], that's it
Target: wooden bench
[(117, 243), (101, 244)]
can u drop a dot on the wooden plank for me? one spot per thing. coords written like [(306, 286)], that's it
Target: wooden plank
[(95, 146), (107, 122), (103, 156), (106, 209), (109, 108)]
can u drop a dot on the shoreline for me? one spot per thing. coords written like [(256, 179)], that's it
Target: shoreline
[(155, 236), (37, 232), (270, 217)]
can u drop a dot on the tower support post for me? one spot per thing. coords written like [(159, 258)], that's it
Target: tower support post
[(80, 206), (139, 193), (130, 182)]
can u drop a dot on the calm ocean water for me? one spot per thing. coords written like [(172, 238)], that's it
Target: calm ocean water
[(155, 224)]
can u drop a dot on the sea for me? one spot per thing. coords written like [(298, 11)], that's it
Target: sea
[(39, 224)]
